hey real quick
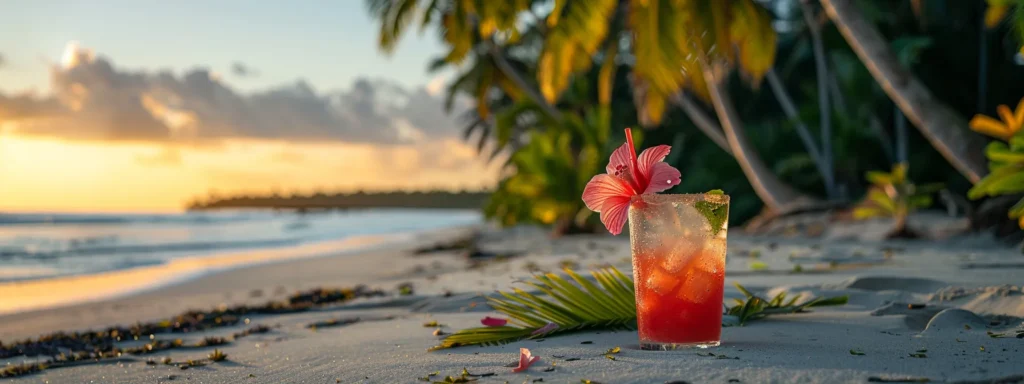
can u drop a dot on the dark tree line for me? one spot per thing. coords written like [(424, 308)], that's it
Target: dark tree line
[(324, 201)]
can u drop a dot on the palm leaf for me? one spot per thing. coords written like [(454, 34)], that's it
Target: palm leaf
[(574, 304), (756, 308), (576, 32), (609, 302)]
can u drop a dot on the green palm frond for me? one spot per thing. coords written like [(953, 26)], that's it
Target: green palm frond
[(574, 304), (674, 39), (755, 308), (578, 304), (576, 32), (1000, 10), (394, 16)]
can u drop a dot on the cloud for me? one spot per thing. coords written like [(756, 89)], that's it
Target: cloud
[(436, 85), (2, 60), (91, 99), (241, 70)]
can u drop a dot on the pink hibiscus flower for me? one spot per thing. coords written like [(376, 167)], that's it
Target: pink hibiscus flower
[(628, 176)]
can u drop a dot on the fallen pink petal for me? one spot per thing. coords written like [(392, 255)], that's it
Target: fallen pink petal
[(545, 329), (493, 321), (526, 359)]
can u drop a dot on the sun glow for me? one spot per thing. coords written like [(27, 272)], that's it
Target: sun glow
[(42, 174)]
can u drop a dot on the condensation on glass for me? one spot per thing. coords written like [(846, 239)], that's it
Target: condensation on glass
[(679, 244)]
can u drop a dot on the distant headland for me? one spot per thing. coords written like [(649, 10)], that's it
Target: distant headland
[(327, 201)]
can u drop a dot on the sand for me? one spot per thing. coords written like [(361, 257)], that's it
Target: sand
[(909, 304)]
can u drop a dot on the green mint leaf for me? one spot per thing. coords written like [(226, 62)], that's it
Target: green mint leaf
[(715, 213)]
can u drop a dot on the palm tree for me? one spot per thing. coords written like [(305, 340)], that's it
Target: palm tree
[(944, 128), (675, 46), (678, 46)]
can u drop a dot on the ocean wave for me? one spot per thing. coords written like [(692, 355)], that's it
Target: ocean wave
[(27, 251)]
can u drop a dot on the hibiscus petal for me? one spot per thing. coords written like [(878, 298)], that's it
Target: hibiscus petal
[(526, 359), (620, 164), (647, 160), (602, 187), (545, 329), (493, 321), (614, 214), (663, 176)]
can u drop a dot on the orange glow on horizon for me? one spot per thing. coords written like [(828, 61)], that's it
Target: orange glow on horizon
[(44, 174)]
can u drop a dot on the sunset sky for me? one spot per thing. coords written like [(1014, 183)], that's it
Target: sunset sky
[(143, 105)]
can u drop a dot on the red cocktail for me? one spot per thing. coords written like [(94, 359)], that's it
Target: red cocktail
[(679, 244)]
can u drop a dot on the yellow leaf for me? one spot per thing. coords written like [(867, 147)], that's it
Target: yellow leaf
[(1005, 114), (606, 77), (861, 213), (1018, 117), (571, 43), (556, 13), (883, 200), (899, 173), (995, 14), (989, 126), (654, 106), (695, 80), (720, 36), (754, 37), (659, 33), (487, 28)]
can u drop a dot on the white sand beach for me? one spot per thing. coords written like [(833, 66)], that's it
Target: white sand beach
[(918, 310)]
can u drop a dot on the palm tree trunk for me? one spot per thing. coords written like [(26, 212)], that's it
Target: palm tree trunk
[(702, 120), (944, 128), (775, 194), (901, 138), (828, 170), (789, 108)]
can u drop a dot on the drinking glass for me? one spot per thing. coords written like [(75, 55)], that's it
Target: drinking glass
[(678, 244)]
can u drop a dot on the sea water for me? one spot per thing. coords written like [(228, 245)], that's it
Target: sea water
[(52, 245)]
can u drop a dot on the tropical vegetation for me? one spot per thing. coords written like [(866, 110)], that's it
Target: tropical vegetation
[(784, 104), (893, 195), (1006, 157)]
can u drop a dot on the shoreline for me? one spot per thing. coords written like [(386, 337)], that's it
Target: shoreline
[(26, 299), (908, 304)]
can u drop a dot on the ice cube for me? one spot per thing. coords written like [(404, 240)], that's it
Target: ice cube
[(647, 303), (703, 276), (715, 247), (692, 221), (679, 252), (660, 281)]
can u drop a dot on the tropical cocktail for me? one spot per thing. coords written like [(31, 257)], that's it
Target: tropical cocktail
[(678, 244)]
